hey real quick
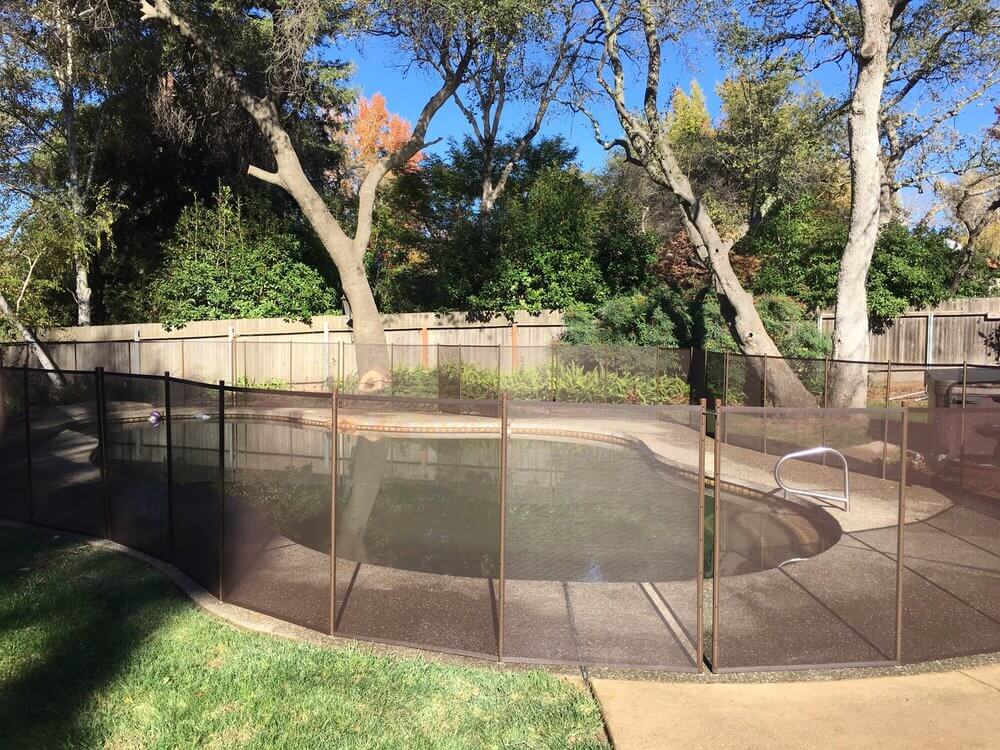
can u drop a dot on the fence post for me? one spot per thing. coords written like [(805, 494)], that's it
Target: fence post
[(27, 444), (170, 466), (340, 364), (290, 371), (716, 534), (702, 426), (764, 403), (102, 447), (334, 472), (392, 365), (138, 351), (459, 372), (885, 427), (725, 378), (513, 347), (326, 354), (501, 585), (901, 524), (231, 336), (961, 440), (222, 487)]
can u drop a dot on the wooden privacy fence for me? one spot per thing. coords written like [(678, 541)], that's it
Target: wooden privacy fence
[(952, 332)]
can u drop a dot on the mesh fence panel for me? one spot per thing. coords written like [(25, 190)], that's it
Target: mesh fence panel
[(951, 588), (414, 371), (449, 371), (418, 522), (812, 373), (195, 452), (67, 490), (800, 582), (136, 474), (276, 538), (714, 373), (602, 535), (15, 500)]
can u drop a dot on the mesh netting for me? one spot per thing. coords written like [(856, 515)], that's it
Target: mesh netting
[(418, 522), (67, 488), (196, 456), (15, 500), (602, 535), (137, 471), (277, 505), (801, 580), (952, 540)]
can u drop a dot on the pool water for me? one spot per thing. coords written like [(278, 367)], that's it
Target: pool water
[(576, 510)]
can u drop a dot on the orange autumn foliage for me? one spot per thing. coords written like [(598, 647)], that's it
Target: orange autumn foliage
[(376, 132)]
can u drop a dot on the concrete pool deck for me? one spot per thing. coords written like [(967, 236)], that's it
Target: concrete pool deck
[(932, 710)]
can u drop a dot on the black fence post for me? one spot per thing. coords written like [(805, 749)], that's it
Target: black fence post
[(716, 533), (502, 580), (170, 466), (901, 525), (334, 473), (102, 446), (700, 639), (27, 444), (222, 486)]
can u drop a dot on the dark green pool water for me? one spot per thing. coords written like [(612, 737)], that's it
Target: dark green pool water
[(576, 511)]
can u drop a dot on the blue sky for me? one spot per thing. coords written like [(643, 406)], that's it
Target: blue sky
[(378, 69)]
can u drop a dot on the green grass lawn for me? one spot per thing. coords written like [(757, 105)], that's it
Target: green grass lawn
[(99, 651)]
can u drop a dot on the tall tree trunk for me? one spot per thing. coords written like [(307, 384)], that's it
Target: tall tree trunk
[(81, 291), (347, 253), (849, 380), (784, 386)]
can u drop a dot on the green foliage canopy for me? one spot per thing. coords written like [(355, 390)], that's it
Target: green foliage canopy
[(233, 259)]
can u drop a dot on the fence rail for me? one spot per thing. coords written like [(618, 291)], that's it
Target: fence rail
[(535, 531)]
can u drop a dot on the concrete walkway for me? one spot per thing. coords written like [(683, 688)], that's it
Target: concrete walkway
[(932, 710)]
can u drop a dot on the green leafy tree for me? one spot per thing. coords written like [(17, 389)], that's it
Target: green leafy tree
[(797, 251), (631, 320), (544, 247), (234, 259)]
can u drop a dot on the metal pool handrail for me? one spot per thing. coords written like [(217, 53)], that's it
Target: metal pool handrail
[(842, 501)]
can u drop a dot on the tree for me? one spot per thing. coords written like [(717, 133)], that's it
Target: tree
[(900, 53), (972, 201), (235, 259), (373, 134), (37, 257), (58, 57), (543, 248), (646, 143), (798, 249), (294, 34), (432, 250), (524, 64)]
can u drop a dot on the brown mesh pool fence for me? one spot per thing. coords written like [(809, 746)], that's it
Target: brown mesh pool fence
[(541, 530)]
